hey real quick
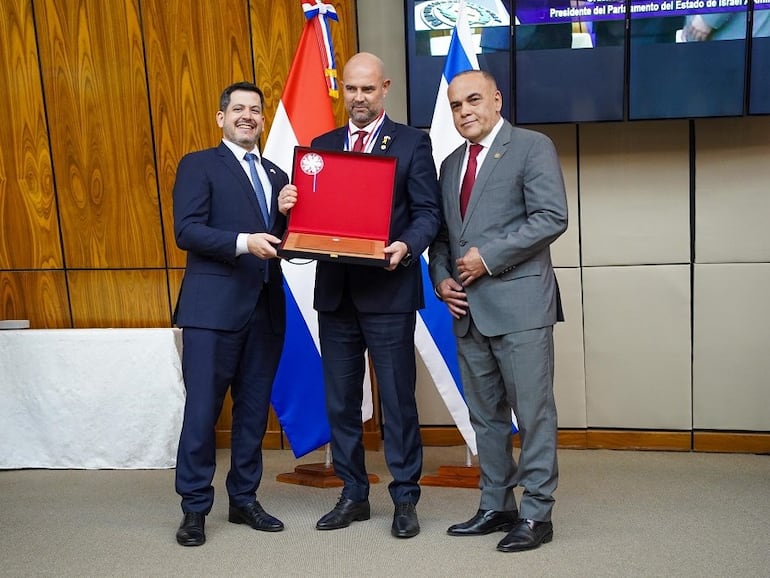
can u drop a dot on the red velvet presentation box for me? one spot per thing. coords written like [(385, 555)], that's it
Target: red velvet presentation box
[(344, 204)]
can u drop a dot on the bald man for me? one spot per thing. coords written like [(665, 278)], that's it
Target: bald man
[(363, 307), (504, 203)]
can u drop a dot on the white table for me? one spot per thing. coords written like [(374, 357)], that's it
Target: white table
[(90, 398)]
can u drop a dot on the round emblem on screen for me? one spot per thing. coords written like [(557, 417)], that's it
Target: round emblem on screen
[(311, 163), (443, 14)]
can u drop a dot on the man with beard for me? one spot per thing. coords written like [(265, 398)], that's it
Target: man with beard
[(231, 308)]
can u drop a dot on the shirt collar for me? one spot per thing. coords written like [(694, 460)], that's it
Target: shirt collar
[(240, 152), (487, 141)]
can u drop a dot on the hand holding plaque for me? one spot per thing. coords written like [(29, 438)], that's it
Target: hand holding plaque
[(343, 209)]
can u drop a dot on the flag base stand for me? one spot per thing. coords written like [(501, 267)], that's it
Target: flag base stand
[(466, 476), (453, 477), (318, 475)]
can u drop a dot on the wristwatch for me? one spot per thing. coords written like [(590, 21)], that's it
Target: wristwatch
[(407, 260)]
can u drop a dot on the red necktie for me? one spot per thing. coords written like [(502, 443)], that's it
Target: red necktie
[(469, 178), (358, 146)]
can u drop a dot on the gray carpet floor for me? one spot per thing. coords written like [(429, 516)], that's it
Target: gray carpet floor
[(617, 514)]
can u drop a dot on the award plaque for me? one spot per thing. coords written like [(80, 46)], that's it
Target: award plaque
[(343, 210)]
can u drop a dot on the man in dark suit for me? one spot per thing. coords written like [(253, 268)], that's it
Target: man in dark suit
[(231, 308), (491, 265), (362, 307)]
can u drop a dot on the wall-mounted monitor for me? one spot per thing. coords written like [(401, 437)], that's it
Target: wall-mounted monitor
[(687, 58), (429, 27), (569, 60), (560, 61), (759, 81)]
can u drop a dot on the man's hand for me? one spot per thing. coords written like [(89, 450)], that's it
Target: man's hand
[(697, 30), (287, 198), (263, 245), (451, 293), (471, 267), (397, 251)]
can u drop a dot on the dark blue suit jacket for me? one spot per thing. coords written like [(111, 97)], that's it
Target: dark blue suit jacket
[(213, 202), (415, 221)]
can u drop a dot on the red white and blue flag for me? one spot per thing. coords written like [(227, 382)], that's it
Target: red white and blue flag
[(304, 112)]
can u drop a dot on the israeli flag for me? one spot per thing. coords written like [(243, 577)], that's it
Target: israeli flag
[(461, 57), (433, 338)]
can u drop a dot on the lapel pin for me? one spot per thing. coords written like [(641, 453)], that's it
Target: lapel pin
[(272, 171), (385, 141), (497, 155)]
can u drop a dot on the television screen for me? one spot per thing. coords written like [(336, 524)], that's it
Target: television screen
[(569, 63), (601, 60), (687, 58), (429, 27), (759, 81)]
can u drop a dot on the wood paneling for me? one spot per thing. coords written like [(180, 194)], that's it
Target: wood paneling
[(194, 50), (92, 61), (732, 442), (102, 100), (29, 238), (639, 440), (39, 296), (123, 298), (174, 284)]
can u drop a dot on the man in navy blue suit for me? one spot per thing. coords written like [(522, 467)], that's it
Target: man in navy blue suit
[(231, 308), (362, 307)]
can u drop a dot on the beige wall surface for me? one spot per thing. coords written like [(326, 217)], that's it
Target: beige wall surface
[(732, 181), (629, 355), (731, 349)]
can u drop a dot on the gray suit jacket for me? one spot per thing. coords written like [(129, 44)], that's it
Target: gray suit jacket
[(518, 207)]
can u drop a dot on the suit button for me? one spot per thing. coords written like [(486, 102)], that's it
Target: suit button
[(463, 242)]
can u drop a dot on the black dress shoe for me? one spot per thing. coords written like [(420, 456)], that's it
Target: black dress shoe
[(345, 512), (255, 516), (190, 532), (526, 535), (405, 524), (485, 522)]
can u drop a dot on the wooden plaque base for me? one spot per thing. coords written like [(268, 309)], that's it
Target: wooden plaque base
[(334, 248), (317, 476), (453, 477)]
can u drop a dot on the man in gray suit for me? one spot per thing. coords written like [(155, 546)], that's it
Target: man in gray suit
[(491, 265)]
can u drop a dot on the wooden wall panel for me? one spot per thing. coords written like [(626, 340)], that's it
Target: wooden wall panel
[(92, 60), (276, 28), (194, 50), (39, 296), (29, 238), (122, 298), (174, 284)]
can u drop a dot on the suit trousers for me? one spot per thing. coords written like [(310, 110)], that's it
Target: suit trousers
[(345, 335), (245, 361), (512, 372)]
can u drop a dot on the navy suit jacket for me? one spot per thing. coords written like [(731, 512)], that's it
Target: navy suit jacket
[(213, 202), (415, 221)]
